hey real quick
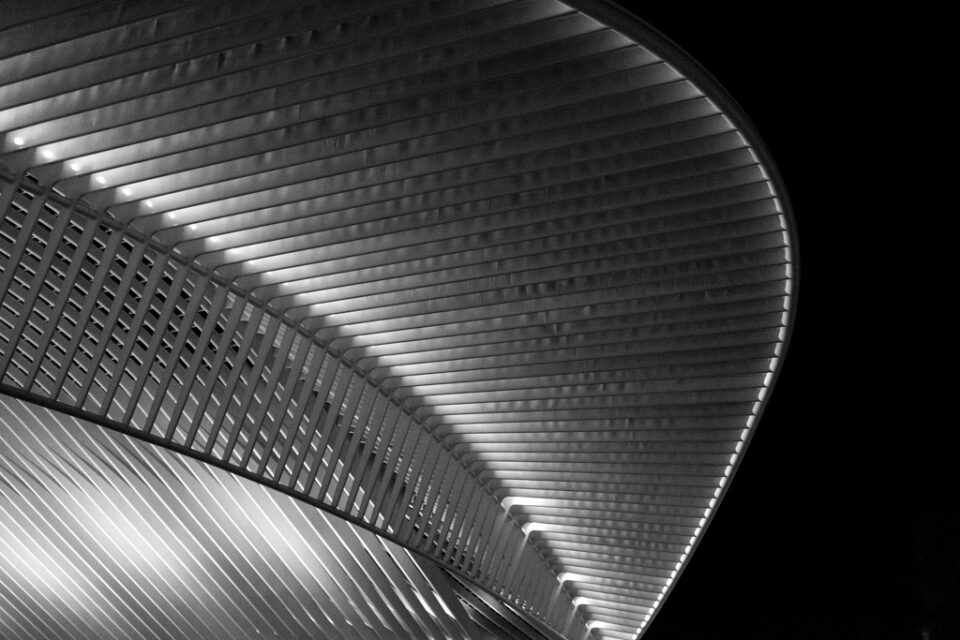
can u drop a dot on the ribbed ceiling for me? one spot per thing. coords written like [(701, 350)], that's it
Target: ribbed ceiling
[(541, 272)]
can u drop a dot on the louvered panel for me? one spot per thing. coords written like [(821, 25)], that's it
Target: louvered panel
[(507, 281), (105, 536), (139, 378)]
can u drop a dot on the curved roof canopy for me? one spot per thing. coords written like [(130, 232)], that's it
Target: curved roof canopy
[(503, 281)]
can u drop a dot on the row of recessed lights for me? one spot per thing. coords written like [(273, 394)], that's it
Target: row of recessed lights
[(100, 180), (46, 154)]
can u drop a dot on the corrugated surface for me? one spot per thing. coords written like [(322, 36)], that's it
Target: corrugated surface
[(539, 272)]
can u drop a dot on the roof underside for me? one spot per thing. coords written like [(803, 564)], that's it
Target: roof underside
[(489, 278)]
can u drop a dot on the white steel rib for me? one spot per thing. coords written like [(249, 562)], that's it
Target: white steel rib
[(503, 281)]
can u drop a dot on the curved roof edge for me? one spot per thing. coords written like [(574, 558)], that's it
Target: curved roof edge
[(616, 16)]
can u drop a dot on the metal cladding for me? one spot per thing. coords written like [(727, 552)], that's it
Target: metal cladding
[(492, 279)]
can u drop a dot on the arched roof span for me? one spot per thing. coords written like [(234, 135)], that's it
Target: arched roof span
[(505, 281)]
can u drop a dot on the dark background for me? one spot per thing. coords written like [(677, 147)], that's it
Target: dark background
[(842, 521)]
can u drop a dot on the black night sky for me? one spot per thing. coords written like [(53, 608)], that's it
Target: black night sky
[(842, 521)]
